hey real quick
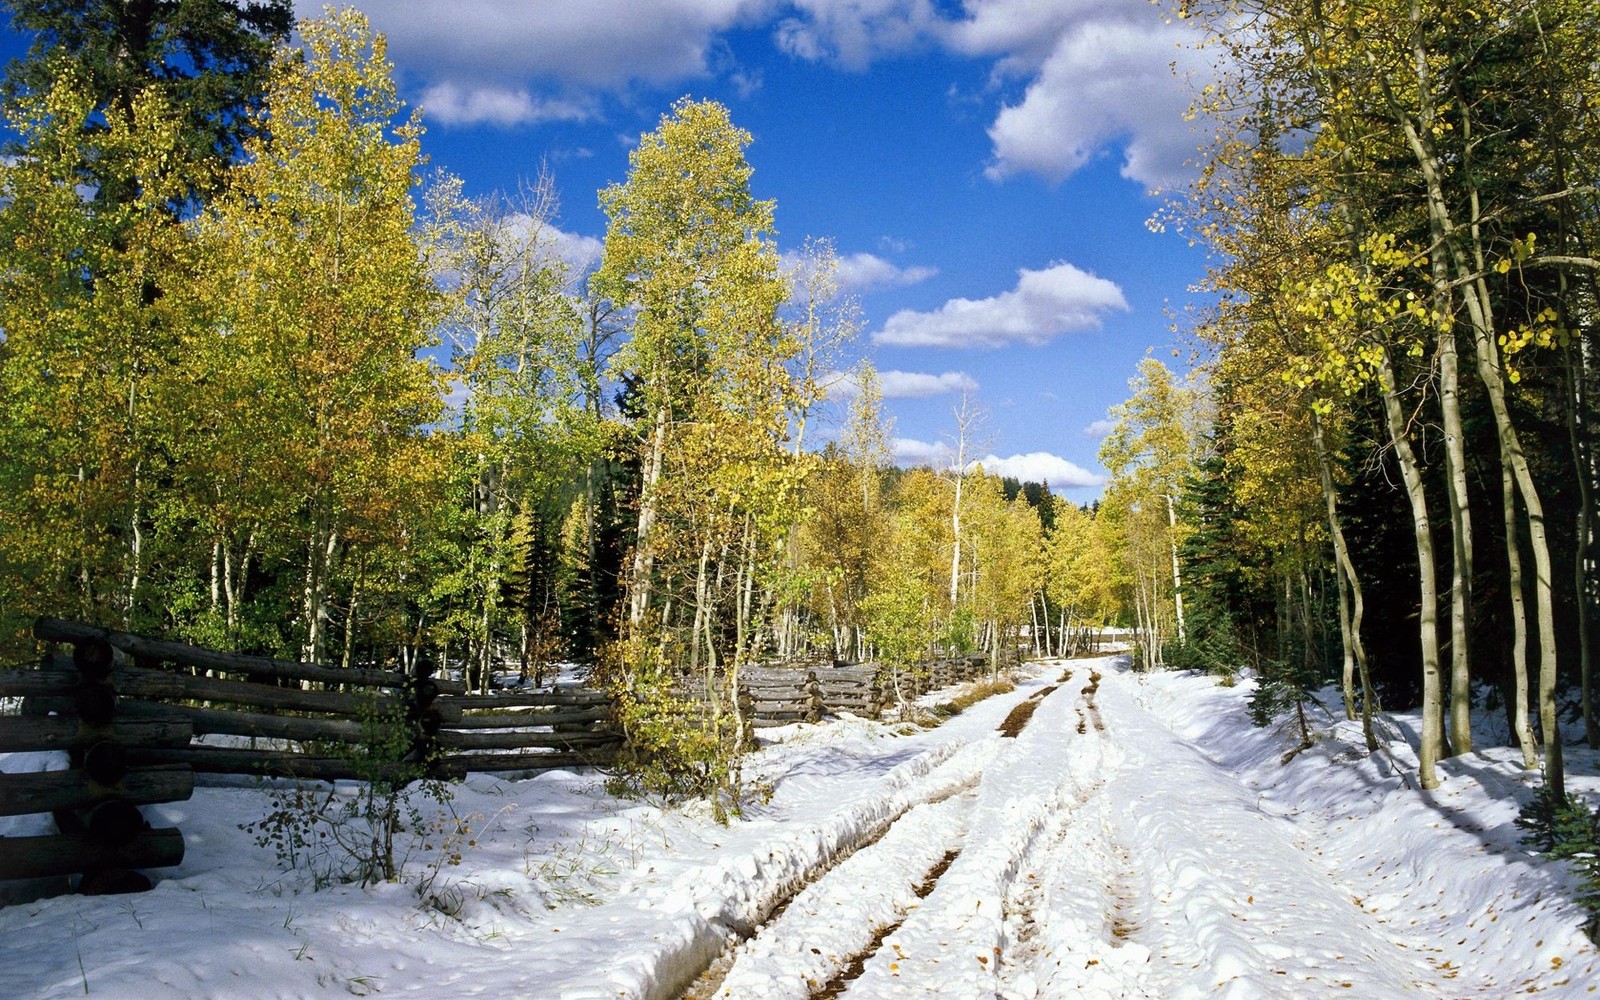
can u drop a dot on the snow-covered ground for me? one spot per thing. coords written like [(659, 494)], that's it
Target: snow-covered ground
[(1137, 838)]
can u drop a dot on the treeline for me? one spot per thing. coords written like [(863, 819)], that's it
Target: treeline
[(1392, 480), (266, 387)]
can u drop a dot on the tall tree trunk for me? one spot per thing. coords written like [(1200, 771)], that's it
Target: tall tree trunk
[(1041, 627), (643, 557), (1580, 589), (347, 657), (700, 610), (235, 578), (1177, 578), (135, 541), (1432, 741), (745, 626), (1459, 737), (1519, 617), (321, 543), (216, 573), (1349, 589), (955, 551), (1490, 373)]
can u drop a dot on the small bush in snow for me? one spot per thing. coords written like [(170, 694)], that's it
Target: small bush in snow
[(336, 833), (1567, 828), (678, 748)]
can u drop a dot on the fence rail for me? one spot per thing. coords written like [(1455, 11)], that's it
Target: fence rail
[(139, 717)]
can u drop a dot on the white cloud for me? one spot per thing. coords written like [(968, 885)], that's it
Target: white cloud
[(747, 82), (504, 61), (1041, 467), (899, 385), (597, 43), (450, 103), (852, 33), (839, 385), (917, 385), (1104, 82), (1098, 429), (1095, 73), (1022, 32), (1044, 305), (861, 271), (1034, 467), (909, 452), (580, 253)]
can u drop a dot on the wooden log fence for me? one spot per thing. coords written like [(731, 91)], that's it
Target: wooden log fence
[(854, 689), (780, 695), (139, 717), (103, 835)]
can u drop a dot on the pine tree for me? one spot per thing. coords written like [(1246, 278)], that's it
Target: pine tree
[(208, 59)]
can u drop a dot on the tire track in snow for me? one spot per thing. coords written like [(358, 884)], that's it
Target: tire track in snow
[(1234, 909), (729, 904), (680, 925), (852, 908), (1070, 915), (815, 933), (836, 987), (954, 944), (837, 921)]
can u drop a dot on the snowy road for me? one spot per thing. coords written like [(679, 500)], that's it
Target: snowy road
[(1099, 855), (1095, 834)]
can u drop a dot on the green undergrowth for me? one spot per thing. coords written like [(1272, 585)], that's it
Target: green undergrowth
[(1566, 828)]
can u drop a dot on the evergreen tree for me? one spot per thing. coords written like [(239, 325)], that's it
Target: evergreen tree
[(209, 60)]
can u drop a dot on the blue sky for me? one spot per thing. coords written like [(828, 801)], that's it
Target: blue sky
[(982, 166)]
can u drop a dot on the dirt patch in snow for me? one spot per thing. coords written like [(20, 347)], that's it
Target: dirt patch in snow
[(1089, 690), (1017, 720)]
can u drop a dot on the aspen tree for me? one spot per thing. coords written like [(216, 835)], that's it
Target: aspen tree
[(324, 299)]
